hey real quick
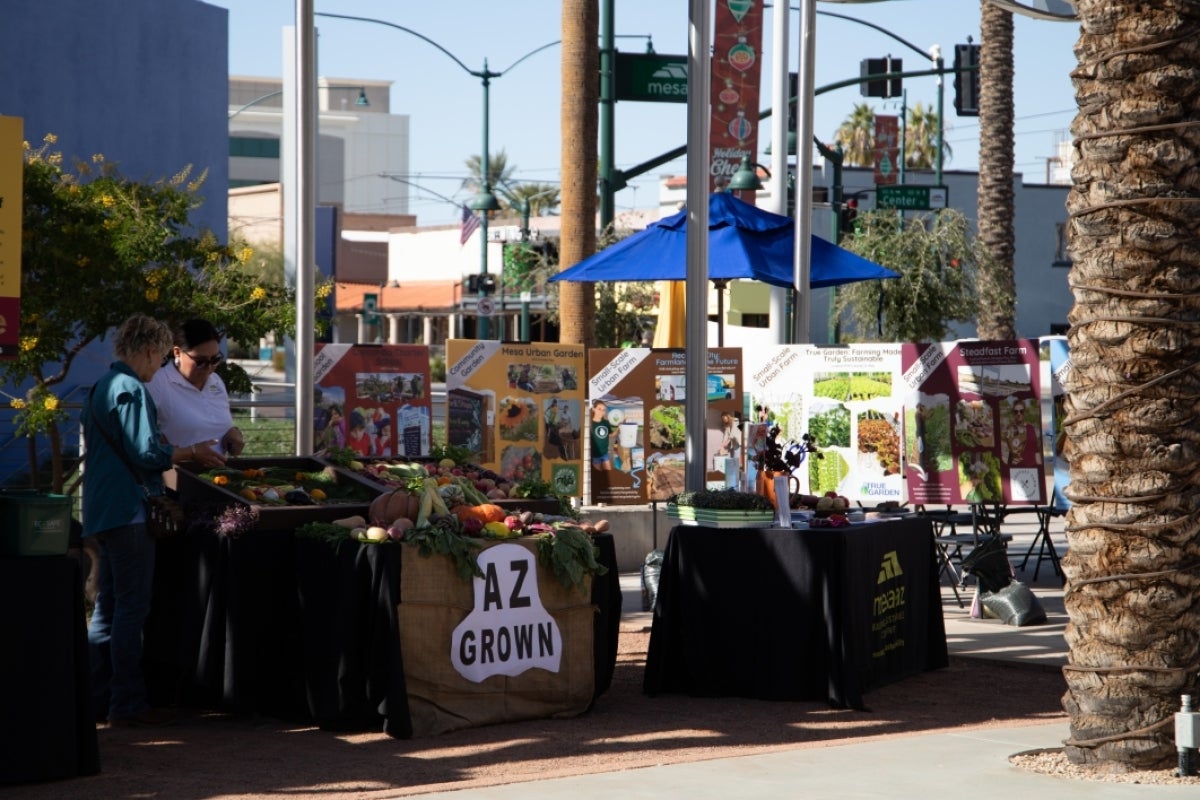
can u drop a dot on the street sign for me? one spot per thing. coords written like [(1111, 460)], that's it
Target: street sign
[(370, 304), (651, 78), (912, 198), (486, 307)]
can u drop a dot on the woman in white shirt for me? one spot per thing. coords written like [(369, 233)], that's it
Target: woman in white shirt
[(192, 402)]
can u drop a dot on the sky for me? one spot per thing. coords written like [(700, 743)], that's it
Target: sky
[(445, 102)]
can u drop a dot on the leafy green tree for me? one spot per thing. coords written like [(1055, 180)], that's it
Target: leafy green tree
[(97, 247), (938, 261)]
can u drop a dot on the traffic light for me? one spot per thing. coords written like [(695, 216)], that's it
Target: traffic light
[(880, 66), (849, 220), (966, 84), (488, 282)]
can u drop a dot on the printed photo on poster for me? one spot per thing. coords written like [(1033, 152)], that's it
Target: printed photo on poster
[(561, 432), (329, 418)]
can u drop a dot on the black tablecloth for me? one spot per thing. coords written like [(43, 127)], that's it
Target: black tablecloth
[(47, 726), (269, 623), (782, 614)]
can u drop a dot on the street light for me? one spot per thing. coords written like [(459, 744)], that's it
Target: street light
[(360, 101), (485, 201)]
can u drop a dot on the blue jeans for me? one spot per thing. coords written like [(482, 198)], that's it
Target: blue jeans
[(115, 632)]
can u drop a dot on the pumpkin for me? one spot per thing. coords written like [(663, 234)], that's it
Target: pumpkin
[(484, 512), (391, 506)]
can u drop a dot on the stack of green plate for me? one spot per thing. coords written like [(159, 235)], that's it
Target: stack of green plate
[(720, 518)]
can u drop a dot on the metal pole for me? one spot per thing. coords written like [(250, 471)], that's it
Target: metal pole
[(485, 174), (696, 291), (941, 83), (607, 115), (303, 209), (780, 101), (804, 156)]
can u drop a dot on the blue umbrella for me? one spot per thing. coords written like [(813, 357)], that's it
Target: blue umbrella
[(744, 243)]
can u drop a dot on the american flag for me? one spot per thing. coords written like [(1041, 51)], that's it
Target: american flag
[(469, 223)]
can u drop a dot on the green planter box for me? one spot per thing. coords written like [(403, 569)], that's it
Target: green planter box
[(34, 524)]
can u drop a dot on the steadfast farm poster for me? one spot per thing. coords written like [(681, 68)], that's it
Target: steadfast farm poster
[(972, 422), (847, 397), (372, 399), (637, 430), (519, 408)]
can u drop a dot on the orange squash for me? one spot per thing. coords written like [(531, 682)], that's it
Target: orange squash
[(391, 506), (484, 512)]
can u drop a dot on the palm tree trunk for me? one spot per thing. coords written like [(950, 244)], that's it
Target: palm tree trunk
[(1133, 432), (997, 289), (580, 116)]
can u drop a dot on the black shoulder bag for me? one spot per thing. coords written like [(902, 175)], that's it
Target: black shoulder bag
[(164, 515)]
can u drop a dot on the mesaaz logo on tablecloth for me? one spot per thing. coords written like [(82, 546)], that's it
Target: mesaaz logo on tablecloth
[(509, 630)]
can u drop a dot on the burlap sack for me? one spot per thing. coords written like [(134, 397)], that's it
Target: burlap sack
[(434, 600)]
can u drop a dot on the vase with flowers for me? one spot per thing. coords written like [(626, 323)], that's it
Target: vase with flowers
[(776, 458)]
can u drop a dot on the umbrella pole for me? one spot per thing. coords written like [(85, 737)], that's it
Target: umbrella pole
[(720, 287)]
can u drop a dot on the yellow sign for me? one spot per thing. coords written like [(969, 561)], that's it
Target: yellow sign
[(11, 180)]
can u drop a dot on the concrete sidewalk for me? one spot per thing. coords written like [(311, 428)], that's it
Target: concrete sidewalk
[(970, 764)]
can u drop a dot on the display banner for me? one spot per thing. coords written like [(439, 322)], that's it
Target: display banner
[(11, 190), (736, 71), (887, 150), (637, 430), (519, 408), (372, 399), (1060, 369), (972, 422), (848, 398)]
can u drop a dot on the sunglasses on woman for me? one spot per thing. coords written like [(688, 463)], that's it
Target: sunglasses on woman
[(203, 361)]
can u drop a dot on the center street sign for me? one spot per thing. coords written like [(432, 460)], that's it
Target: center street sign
[(911, 198), (651, 77)]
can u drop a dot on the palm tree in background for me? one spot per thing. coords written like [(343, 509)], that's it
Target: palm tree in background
[(921, 138), (499, 172), (856, 135), (994, 204), (579, 123), (1133, 436), (543, 198)]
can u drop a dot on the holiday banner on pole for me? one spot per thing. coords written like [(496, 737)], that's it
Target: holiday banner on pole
[(518, 408), (736, 78), (11, 194), (972, 422)]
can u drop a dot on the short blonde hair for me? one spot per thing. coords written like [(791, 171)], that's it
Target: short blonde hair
[(140, 333)]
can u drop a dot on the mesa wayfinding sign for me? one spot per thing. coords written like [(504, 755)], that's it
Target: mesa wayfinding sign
[(650, 77)]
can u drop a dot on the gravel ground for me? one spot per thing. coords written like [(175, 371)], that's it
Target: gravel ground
[(1054, 762)]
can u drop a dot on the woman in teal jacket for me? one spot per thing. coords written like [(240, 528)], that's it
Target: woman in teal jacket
[(114, 513)]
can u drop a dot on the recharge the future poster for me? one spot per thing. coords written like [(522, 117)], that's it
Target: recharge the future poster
[(847, 398), (637, 430), (372, 399), (519, 408), (972, 422)]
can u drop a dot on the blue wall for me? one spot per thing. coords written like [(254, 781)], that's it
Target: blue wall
[(145, 82)]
